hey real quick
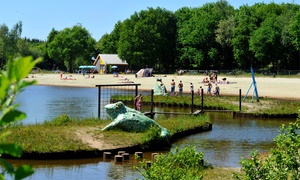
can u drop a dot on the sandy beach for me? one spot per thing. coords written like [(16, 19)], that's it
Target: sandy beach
[(283, 88)]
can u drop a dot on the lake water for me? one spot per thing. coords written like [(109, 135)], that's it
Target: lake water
[(230, 138), (47, 102)]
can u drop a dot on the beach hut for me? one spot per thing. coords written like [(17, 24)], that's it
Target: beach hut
[(107, 63)]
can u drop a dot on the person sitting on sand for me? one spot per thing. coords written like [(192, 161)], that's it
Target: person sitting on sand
[(68, 78)]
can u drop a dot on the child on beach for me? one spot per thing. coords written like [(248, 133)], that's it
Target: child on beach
[(191, 87)]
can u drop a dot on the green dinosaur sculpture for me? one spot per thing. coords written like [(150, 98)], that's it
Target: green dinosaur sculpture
[(130, 120)]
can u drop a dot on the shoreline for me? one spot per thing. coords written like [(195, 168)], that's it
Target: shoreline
[(267, 87), (96, 153)]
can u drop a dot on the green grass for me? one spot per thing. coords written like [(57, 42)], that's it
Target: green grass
[(264, 106), (52, 136), (63, 133), (210, 102), (220, 173)]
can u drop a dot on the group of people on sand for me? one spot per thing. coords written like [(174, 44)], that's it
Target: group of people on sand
[(67, 77), (215, 91), (70, 77)]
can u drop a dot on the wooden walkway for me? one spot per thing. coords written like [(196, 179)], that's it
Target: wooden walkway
[(197, 112)]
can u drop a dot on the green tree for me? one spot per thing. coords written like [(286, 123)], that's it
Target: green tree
[(196, 41), (55, 64), (73, 46), (290, 54), (183, 59), (12, 82), (9, 42), (224, 35), (265, 43), (245, 25), (147, 39), (295, 30), (108, 44)]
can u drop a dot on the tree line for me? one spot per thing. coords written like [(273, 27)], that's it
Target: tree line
[(213, 36)]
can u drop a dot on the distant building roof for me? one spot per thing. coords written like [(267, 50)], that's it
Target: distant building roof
[(112, 59), (87, 67)]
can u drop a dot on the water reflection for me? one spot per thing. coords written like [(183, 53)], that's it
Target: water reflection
[(232, 138), (95, 168)]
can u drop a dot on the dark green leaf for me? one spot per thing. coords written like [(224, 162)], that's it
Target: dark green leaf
[(4, 87), (24, 171), (8, 167), (11, 149), (12, 116)]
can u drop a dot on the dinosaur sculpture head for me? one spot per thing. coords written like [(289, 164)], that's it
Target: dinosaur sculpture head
[(131, 120), (113, 110)]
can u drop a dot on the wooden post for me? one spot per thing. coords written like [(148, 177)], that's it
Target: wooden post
[(240, 103), (153, 156), (148, 164), (152, 103), (136, 90), (139, 154), (106, 155), (99, 98), (125, 156), (118, 158), (121, 152), (202, 102), (192, 106)]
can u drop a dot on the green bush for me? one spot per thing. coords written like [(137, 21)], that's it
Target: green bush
[(186, 163), (59, 120), (153, 138)]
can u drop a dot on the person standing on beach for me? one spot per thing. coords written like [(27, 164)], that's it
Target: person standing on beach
[(217, 90), (173, 87), (180, 87), (209, 86), (200, 91), (191, 87)]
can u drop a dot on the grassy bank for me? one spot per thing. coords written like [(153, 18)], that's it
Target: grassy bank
[(68, 134), (265, 106)]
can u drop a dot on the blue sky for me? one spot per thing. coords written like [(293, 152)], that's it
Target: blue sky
[(97, 16)]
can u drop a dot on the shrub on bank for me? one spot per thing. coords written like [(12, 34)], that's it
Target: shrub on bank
[(283, 162), (185, 163)]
